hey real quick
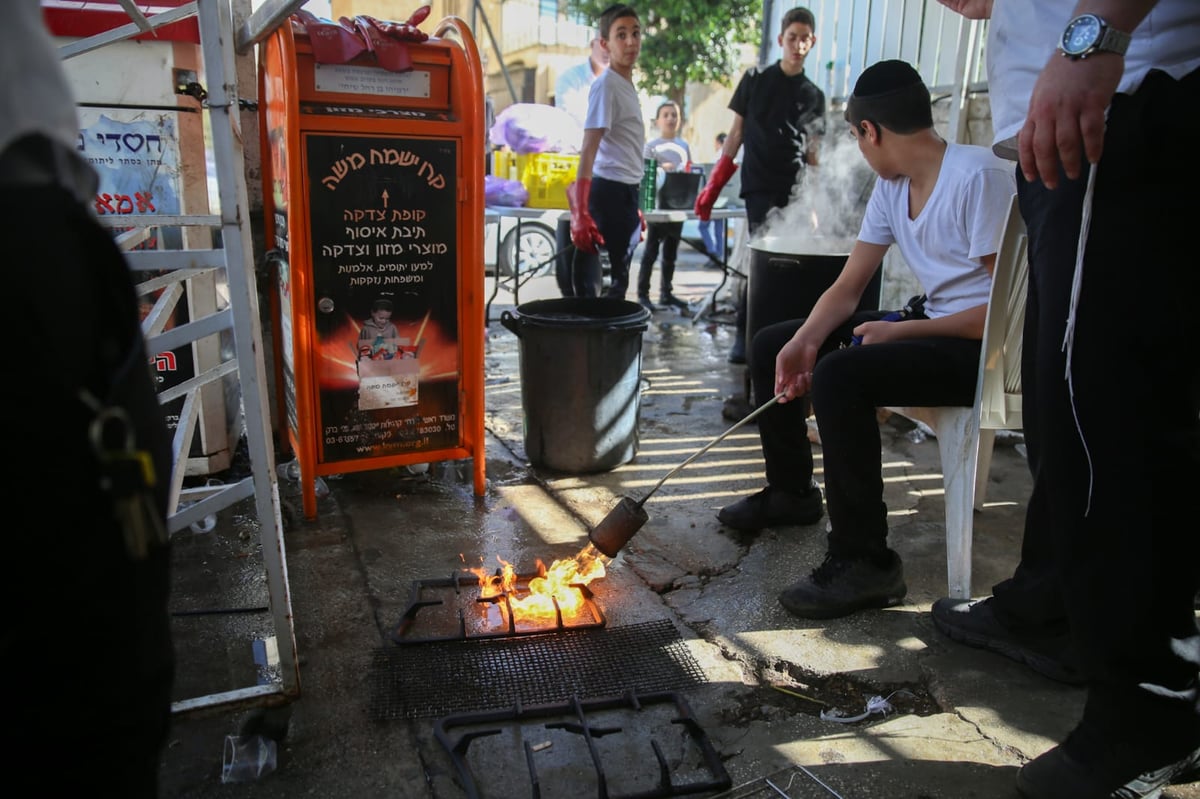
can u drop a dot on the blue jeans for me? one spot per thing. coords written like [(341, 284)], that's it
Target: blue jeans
[(714, 241)]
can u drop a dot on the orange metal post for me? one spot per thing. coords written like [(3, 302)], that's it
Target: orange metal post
[(470, 98)]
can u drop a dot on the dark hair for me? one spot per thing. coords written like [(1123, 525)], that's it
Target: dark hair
[(613, 13), (381, 305), (798, 14), (721, 137), (667, 104), (891, 95)]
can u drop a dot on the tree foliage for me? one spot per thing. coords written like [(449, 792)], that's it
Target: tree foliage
[(687, 40)]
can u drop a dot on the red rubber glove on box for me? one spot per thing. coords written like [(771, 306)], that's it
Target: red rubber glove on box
[(722, 171), (584, 233)]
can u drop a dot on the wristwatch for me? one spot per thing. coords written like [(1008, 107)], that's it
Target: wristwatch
[(1088, 34)]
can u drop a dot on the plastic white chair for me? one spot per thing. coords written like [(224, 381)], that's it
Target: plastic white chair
[(965, 435)]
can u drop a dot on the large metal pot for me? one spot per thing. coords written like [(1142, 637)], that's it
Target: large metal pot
[(788, 275)]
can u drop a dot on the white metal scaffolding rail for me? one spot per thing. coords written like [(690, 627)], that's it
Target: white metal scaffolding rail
[(168, 271)]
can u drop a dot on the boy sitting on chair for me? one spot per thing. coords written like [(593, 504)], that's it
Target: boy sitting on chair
[(944, 204)]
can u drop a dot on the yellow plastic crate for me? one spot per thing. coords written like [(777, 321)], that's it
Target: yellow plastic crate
[(544, 175)]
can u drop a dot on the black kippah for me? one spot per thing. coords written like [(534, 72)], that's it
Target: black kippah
[(890, 94), (884, 77)]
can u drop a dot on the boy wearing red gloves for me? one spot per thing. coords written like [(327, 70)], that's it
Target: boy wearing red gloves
[(604, 196), (778, 113)]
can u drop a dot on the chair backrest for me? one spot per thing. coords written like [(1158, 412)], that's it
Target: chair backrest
[(1000, 383)]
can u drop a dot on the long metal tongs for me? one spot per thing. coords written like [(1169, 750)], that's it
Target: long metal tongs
[(615, 529)]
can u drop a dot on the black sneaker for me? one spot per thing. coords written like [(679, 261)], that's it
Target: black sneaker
[(973, 622), (672, 301), (736, 408), (644, 301), (1111, 772), (840, 586), (772, 508)]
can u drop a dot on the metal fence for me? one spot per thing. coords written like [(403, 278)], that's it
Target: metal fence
[(853, 34), (944, 47)]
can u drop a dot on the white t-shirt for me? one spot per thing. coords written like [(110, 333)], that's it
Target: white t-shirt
[(674, 152), (961, 222), (613, 105), (1023, 35), (39, 101)]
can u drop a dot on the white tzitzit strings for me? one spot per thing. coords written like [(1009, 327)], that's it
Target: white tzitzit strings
[(1085, 224)]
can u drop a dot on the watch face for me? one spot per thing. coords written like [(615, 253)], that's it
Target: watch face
[(1082, 33)]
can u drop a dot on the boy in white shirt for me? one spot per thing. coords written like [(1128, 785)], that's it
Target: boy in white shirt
[(673, 155), (944, 205), (604, 196)]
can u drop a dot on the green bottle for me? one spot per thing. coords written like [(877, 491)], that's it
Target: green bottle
[(646, 193)]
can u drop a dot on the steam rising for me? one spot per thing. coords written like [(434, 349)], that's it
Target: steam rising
[(827, 203)]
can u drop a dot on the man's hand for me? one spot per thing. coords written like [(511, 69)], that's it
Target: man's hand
[(1066, 110), (722, 171), (584, 233), (971, 9)]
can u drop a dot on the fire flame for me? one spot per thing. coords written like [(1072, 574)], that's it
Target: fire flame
[(554, 589)]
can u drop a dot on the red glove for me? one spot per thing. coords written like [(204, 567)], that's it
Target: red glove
[(584, 233), (722, 171), (332, 43), (642, 232)]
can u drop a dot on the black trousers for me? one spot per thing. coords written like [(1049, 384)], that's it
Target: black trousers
[(849, 383), (665, 235), (1111, 544), (614, 206)]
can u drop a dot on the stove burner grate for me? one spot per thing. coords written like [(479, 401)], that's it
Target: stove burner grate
[(592, 747)]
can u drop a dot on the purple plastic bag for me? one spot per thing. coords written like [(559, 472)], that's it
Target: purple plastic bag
[(505, 192), (535, 128)]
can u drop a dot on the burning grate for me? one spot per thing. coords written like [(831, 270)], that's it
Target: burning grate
[(637, 745), (465, 607), (443, 677)]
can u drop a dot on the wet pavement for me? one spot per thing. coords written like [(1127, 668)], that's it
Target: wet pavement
[(687, 605)]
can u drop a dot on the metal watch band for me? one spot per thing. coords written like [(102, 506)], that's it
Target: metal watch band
[(1113, 41)]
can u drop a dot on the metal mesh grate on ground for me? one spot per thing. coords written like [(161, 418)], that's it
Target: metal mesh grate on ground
[(443, 677)]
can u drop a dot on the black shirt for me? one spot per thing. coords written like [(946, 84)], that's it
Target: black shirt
[(779, 115)]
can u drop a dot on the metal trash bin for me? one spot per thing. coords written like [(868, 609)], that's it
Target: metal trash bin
[(581, 368)]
